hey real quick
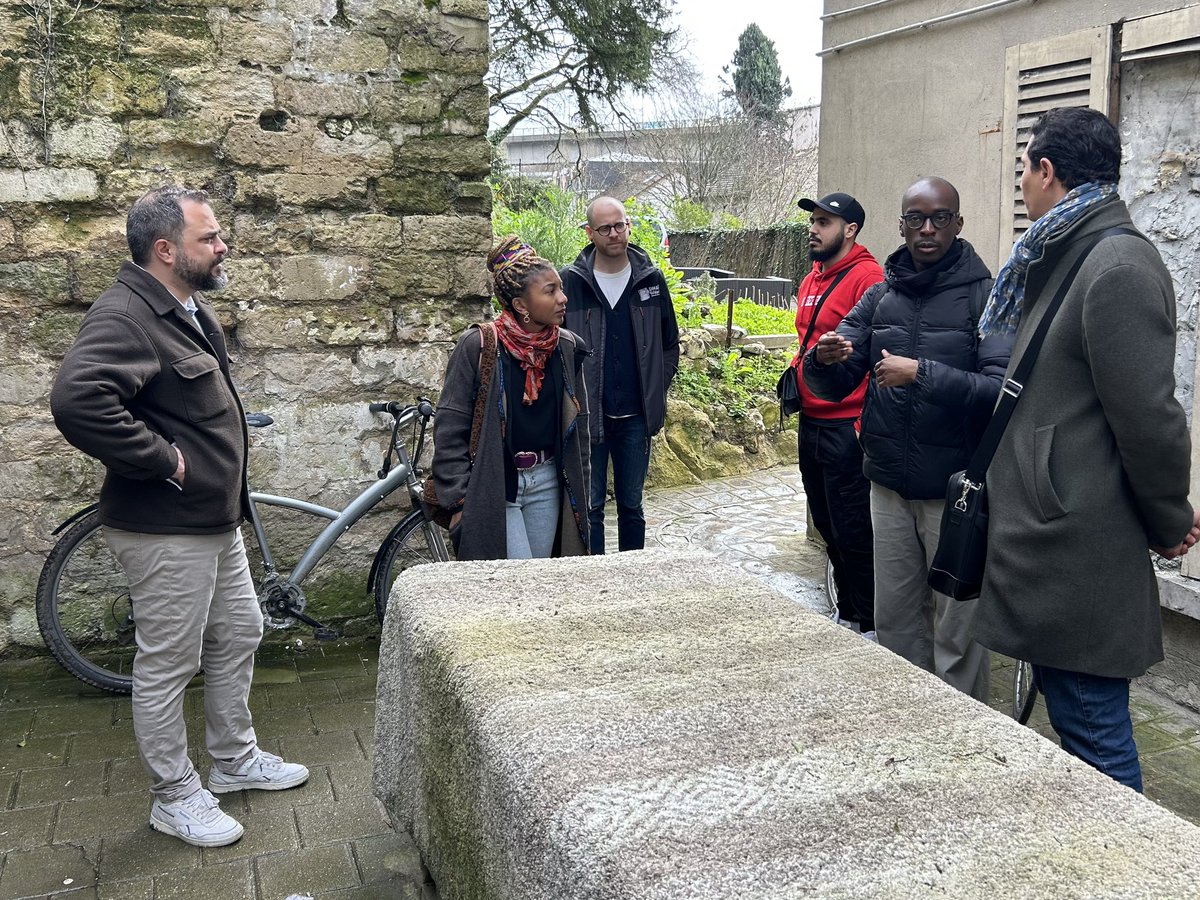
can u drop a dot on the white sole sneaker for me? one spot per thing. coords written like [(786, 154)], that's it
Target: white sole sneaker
[(196, 820), (262, 772)]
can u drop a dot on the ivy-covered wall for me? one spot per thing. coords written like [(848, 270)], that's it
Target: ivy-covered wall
[(343, 144)]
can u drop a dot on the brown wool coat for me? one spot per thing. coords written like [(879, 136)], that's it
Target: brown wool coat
[(480, 488), (1093, 467)]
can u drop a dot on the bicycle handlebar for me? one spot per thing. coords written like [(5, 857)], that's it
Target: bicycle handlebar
[(424, 408)]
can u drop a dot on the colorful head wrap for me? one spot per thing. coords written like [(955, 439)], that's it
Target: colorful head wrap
[(506, 258)]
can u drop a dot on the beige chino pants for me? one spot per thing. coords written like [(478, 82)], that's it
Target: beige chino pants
[(196, 608), (928, 629)]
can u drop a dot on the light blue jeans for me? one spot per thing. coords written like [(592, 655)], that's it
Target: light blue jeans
[(532, 519)]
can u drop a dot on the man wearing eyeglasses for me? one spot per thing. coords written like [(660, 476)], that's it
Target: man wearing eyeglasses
[(932, 389), (618, 302)]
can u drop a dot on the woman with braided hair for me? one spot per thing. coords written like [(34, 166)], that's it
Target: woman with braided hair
[(514, 469)]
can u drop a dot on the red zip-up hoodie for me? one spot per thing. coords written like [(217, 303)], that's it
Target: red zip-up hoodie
[(864, 272)]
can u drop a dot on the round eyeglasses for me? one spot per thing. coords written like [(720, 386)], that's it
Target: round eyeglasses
[(940, 219), (618, 227)]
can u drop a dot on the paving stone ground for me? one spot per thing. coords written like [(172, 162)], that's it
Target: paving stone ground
[(73, 798)]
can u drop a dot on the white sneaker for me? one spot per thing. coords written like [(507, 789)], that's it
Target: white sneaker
[(196, 819), (870, 636), (262, 771)]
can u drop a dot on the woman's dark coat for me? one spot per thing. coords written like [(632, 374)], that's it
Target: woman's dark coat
[(1093, 466), (479, 488)]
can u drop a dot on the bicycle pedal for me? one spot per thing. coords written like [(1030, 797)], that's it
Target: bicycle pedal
[(324, 633)]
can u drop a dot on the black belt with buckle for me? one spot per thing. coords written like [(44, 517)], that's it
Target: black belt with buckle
[(529, 459)]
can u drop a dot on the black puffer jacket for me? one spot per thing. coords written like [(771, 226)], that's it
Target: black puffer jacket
[(915, 437)]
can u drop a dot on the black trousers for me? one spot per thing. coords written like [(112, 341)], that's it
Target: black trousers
[(839, 500)]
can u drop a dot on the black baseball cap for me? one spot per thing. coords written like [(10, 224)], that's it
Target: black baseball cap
[(841, 205)]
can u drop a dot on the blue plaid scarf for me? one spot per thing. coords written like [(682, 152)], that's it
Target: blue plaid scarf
[(1003, 311)]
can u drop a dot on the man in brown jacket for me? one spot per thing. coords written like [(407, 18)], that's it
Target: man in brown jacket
[(1092, 470), (146, 390)]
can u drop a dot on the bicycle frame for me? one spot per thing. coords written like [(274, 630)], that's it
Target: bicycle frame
[(340, 521)]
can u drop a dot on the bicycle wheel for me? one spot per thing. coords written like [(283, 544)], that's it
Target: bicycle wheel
[(831, 590), (412, 543), (1024, 691), (83, 609)]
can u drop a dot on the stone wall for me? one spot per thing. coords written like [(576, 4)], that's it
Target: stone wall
[(343, 144)]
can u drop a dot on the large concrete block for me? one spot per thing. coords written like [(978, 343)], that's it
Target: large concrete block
[(659, 725), (46, 185)]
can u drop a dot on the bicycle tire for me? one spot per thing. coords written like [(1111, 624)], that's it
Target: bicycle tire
[(84, 611), (408, 545), (831, 589), (1025, 692)]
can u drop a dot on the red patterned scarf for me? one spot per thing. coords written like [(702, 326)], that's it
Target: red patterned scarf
[(530, 349)]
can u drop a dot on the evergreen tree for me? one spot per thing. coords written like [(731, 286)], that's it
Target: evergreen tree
[(758, 82)]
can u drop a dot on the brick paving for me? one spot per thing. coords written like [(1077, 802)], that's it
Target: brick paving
[(73, 798)]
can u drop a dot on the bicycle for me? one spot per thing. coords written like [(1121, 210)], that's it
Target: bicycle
[(1025, 692), (84, 610)]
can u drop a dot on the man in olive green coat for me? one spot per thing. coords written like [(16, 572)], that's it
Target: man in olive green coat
[(1092, 470)]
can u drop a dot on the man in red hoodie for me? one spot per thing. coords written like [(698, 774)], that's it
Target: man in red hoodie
[(831, 461)]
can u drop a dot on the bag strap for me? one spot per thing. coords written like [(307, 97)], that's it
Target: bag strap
[(812, 323), (1015, 383), (487, 365)]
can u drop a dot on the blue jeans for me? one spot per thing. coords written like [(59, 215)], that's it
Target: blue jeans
[(627, 443), (532, 519), (1090, 713)]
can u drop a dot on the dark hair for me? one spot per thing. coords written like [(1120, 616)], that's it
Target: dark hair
[(1082, 143), (157, 214), (511, 263)]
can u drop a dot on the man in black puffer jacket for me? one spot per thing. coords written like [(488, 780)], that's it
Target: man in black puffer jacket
[(933, 388)]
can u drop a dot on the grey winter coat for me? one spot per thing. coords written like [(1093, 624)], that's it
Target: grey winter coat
[(1093, 467), (139, 379), (654, 329), (479, 489)]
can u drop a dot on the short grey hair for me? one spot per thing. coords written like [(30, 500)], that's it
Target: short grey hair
[(157, 214)]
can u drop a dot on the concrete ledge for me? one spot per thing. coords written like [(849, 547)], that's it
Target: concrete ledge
[(657, 725)]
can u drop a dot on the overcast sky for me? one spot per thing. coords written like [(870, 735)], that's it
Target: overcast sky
[(794, 26)]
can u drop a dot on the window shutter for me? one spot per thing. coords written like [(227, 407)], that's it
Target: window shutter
[(1075, 69)]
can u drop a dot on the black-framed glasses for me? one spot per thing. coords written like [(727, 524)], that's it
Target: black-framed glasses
[(916, 220), (618, 227)]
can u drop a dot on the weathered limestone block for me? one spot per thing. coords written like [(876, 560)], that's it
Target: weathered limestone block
[(250, 278), (460, 47), (411, 275), (248, 144), (272, 232), (334, 49), (469, 234), (19, 144), (302, 190), (422, 367), (243, 92), (300, 375), (369, 231), (7, 234), (94, 234), (47, 185), (322, 98), (467, 158), (267, 41), (264, 327), (172, 38), (474, 9), (309, 278), (417, 194), (91, 140), (406, 101), (656, 724), (126, 87), (35, 281), (359, 152)]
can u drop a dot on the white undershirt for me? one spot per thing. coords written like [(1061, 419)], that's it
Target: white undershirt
[(613, 286)]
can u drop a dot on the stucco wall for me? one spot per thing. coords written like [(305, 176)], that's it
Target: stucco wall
[(343, 146)]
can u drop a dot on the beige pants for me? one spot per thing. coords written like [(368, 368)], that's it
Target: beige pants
[(928, 629), (196, 608)]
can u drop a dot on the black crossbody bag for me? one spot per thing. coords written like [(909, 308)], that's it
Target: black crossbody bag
[(958, 564), (787, 389)]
